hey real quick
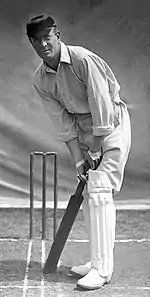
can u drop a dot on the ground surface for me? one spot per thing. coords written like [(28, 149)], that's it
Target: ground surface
[(119, 32), (21, 259)]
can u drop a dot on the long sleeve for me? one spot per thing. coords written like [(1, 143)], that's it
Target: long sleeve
[(101, 107), (64, 122)]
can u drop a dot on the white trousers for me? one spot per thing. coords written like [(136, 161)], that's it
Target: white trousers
[(98, 205)]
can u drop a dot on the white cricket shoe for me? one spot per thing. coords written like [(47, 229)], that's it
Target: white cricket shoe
[(93, 280), (81, 270)]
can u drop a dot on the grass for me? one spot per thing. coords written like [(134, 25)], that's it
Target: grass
[(14, 223)]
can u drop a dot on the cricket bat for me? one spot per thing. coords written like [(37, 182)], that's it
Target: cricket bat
[(65, 227)]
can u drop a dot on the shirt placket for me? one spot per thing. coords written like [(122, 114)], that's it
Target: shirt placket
[(65, 97), (62, 90)]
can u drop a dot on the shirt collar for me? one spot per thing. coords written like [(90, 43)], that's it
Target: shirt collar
[(64, 54), (64, 58)]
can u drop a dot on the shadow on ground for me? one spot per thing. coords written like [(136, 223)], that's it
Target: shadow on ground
[(13, 270)]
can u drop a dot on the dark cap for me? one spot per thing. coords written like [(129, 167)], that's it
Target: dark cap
[(39, 23)]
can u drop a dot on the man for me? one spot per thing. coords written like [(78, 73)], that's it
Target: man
[(81, 95)]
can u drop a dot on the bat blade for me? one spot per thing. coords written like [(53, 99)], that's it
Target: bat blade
[(64, 230)]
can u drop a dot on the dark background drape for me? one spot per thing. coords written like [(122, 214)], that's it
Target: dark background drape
[(118, 31)]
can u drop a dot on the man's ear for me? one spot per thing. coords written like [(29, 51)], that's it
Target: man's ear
[(58, 34)]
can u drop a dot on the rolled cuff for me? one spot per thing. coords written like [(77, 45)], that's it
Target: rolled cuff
[(100, 131), (64, 137)]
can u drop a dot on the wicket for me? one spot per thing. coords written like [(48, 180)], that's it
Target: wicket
[(55, 172)]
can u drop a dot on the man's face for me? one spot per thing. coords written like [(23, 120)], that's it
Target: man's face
[(46, 44)]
